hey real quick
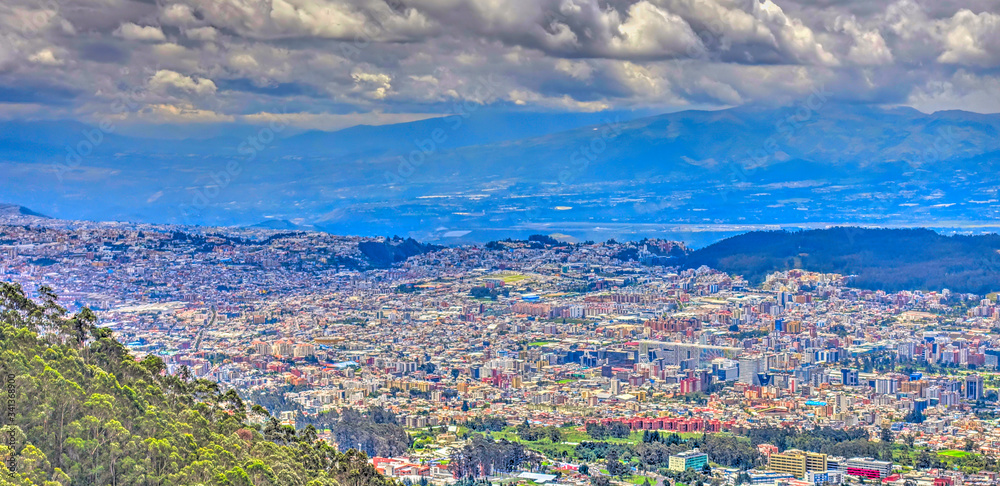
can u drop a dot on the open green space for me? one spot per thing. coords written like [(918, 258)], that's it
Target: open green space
[(953, 453)]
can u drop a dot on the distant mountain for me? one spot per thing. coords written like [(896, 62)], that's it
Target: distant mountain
[(40, 140), (879, 259), (280, 224), (13, 209), (747, 144), (487, 175)]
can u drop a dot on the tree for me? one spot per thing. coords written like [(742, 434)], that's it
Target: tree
[(99, 416), (600, 481), (615, 467), (970, 445), (886, 435)]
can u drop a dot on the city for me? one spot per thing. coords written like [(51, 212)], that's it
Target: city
[(559, 347)]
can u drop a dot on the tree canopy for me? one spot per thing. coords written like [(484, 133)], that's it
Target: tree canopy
[(88, 412)]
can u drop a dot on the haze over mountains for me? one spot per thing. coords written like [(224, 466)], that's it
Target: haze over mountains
[(480, 176)]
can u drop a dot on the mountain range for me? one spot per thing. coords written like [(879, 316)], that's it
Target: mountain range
[(692, 175)]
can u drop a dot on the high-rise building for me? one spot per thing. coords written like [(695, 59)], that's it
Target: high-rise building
[(849, 377), (283, 347), (750, 367), (973, 387), (886, 386)]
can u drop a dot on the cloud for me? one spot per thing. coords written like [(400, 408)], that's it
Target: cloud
[(962, 91), (165, 79), (374, 85), (971, 39), (45, 57), (868, 47), (181, 114), (130, 31), (202, 33), (178, 14), (342, 58)]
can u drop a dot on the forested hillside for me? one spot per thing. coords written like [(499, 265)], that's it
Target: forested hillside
[(86, 412), (880, 259)]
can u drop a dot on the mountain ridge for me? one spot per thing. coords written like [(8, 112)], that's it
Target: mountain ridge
[(869, 256), (750, 165)]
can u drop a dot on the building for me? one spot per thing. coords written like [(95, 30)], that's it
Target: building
[(796, 462), (973, 387), (693, 459), (283, 348), (750, 369), (867, 467), (849, 377), (756, 477), (832, 476), (886, 386)]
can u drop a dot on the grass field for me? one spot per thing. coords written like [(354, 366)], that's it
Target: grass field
[(571, 437), (539, 343), (953, 453), (639, 479)]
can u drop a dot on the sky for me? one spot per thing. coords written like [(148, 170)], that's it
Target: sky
[(330, 64)]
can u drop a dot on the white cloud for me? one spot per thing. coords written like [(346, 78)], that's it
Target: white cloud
[(793, 36), (165, 79), (653, 32), (375, 85), (243, 61), (178, 14), (971, 39), (868, 47), (576, 69), (202, 33), (317, 18), (45, 57), (131, 31)]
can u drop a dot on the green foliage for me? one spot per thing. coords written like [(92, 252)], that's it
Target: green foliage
[(850, 442), (616, 430), (483, 456), (526, 432), (89, 413), (489, 423)]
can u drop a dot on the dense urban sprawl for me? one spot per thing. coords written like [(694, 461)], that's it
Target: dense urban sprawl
[(603, 360)]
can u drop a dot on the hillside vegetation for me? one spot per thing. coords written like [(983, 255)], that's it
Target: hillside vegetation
[(86, 412), (880, 259)]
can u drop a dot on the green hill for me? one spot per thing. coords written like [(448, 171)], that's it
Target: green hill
[(86, 412), (879, 259)]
